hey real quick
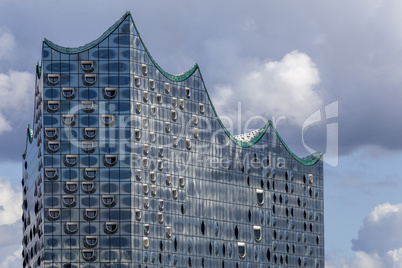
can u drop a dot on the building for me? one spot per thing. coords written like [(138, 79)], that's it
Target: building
[(127, 165)]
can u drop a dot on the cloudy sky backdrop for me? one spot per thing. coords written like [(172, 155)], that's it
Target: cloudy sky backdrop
[(278, 60)]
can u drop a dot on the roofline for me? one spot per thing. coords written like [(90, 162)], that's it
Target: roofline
[(308, 160)]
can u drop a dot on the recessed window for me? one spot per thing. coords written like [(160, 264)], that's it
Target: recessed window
[(51, 173), (174, 193), (145, 189), (152, 84), (174, 115), (68, 92), (153, 190), (90, 214), (168, 179), (174, 101), (260, 196), (167, 88), (159, 98), (145, 96), (90, 173), (54, 214), (196, 133), (137, 134), (188, 144), (144, 69), (168, 231), (88, 186), (195, 119), (181, 181), (110, 160), (188, 92), (71, 227), (88, 254), (202, 228), (161, 204), (145, 162), (53, 79), (53, 146), (146, 202), (145, 241), (242, 250), (108, 200), (89, 79), (88, 106), (183, 209), (88, 146), (160, 217), (71, 186), (51, 133), (153, 110), (108, 119), (71, 160), (53, 106), (89, 133), (110, 227), (69, 200), (68, 119), (236, 232), (109, 92), (91, 241), (137, 80), (181, 106), (138, 214), (87, 65), (257, 233)]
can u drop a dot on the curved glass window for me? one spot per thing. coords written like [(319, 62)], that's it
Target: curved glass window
[(160, 217), (188, 92), (87, 65), (146, 202), (145, 96), (71, 186), (91, 241), (88, 254), (168, 231), (53, 146), (71, 160), (144, 69), (167, 88), (90, 214), (241, 250), (108, 200), (108, 119), (174, 193), (89, 133), (68, 92), (110, 227), (151, 84), (257, 233), (260, 196), (137, 80), (71, 227), (138, 214), (51, 133), (89, 79), (88, 187), (51, 173), (90, 173), (110, 160), (68, 119), (161, 204), (53, 79), (53, 106), (88, 106), (145, 241), (109, 92), (174, 115), (88, 146), (69, 200), (54, 214)]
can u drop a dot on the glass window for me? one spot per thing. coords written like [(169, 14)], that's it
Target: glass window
[(54, 214), (110, 160), (109, 92), (51, 133), (89, 79), (88, 106), (257, 233), (71, 160), (71, 227), (108, 200), (53, 106), (53, 79), (71, 186), (88, 187), (87, 66), (68, 119), (108, 119), (69, 200), (88, 146), (88, 254), (90, 213), (51, 173), (91, 241), (242, 250), (89, 133), (110, 227), (53, 146), (68, 92)]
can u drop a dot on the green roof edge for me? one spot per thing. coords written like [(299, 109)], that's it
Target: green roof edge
[(308, 160)]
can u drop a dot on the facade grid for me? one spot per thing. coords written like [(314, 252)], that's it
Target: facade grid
[(129, 166)]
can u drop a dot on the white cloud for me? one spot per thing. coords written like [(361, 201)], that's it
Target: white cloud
[(275, 88), (16, 94), (7, 44), (14, 260), (10, 203), (379, 241)]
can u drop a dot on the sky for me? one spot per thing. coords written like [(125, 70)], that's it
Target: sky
[(327, 73)]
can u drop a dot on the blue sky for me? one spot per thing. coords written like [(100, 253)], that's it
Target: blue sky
[(276, 59)]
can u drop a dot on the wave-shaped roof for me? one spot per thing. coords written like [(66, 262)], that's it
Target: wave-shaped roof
[(243, 140)]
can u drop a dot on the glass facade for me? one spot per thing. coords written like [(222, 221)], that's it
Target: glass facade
[(129, 166)]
